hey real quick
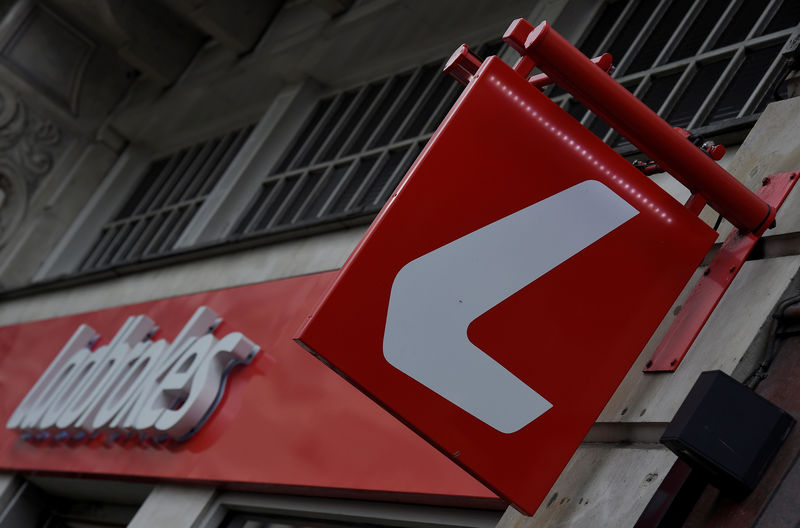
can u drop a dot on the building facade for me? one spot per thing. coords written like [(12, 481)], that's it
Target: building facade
[(171, 151)]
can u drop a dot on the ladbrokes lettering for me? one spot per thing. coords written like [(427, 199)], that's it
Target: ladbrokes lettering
[(134, 384)]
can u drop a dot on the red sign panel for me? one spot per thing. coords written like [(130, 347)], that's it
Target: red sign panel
[(285, 423), (504, 291)]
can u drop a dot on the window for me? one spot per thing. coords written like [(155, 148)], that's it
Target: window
[(352, 151), (710, 66), (244, 520), (56, 502), (162, 204), (706, 65), (247, 510)]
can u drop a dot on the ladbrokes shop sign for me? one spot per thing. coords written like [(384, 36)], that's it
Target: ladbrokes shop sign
[(206, 388), (134, 384)]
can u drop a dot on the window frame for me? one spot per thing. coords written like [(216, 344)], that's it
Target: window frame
[(320, 223), (130, 168), (215, 222), (114, 189), (346, 510), (734, 55)]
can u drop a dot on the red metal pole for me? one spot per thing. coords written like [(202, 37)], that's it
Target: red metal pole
[(540, 81), (604, 96)]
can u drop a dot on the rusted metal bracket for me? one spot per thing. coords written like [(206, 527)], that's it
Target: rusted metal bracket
[(715, 281)]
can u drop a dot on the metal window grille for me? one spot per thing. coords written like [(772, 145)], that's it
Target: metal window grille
[(250, 520), (171, 191), (352, 152), (246, 510), (706, 65)]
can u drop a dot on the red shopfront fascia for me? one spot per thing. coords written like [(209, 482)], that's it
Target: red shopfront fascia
[(286, 423)]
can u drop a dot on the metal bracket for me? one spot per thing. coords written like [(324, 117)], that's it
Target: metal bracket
[(715, 281)]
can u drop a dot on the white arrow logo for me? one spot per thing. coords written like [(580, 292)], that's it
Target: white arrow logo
[(435, 297)]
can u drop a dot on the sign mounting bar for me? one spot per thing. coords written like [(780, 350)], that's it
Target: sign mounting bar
[(573, 71)]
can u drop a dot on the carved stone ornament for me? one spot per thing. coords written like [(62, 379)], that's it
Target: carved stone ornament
[(13, 201), (28, 147)]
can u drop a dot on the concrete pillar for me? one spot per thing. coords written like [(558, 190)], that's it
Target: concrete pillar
[(174, 506), (9, 485)]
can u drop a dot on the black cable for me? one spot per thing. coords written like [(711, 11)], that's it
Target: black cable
[(790, 54), (786, 67), (770, 350)]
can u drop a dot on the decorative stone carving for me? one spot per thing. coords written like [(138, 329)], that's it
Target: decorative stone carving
[(13, 201), (29, 145)]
